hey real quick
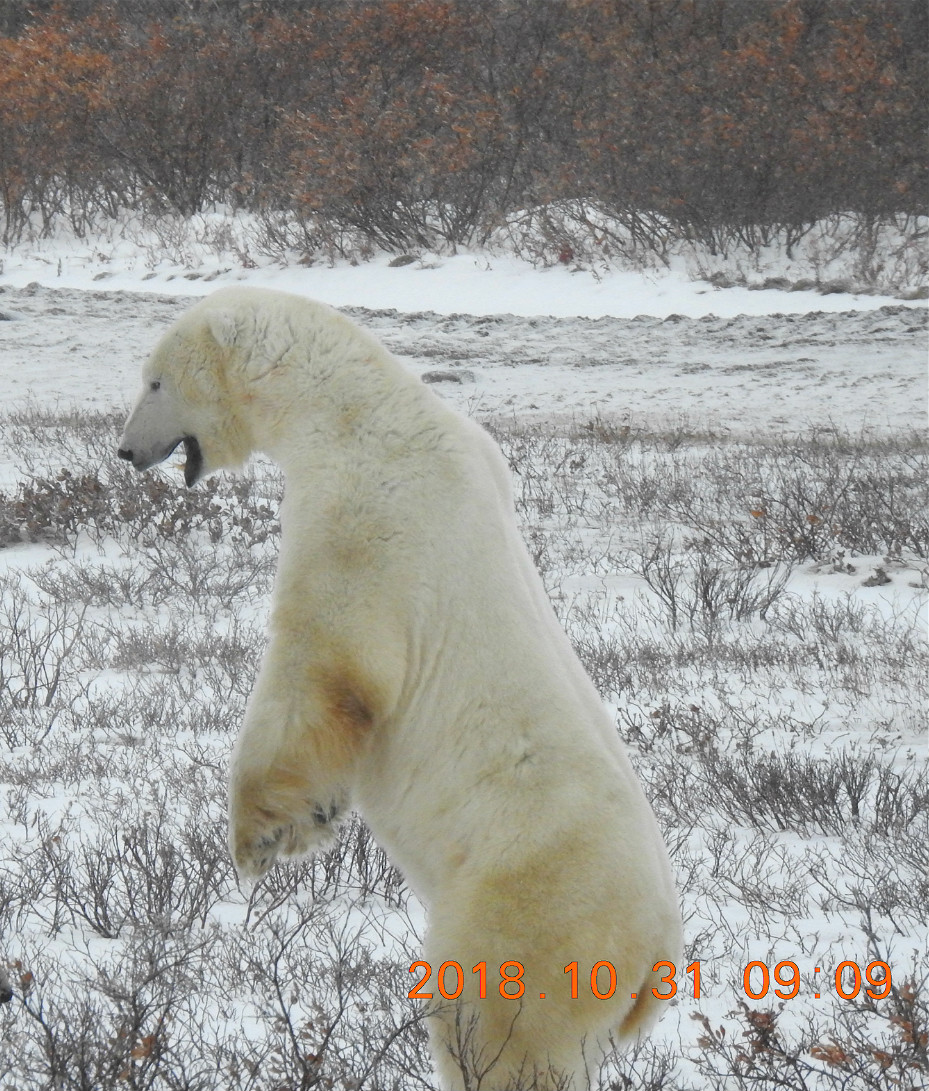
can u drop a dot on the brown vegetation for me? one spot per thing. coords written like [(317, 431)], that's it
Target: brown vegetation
[(432, 122)]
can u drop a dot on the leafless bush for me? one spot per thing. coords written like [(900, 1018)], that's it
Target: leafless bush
[(37, 646), (440, 125), (132, 1026), (793, 792), (99, 584), (94, 495), (332, 1009), (143, 875), (695, 590), (224, 658), (813, 495), (48, 438), (186, 571), (160, 973), (862, 1051), (884, 874), (356, 865)]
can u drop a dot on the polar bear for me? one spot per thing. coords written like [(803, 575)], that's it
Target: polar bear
[(417, 673)]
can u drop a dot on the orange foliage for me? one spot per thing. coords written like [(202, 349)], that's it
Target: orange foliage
[(416, 120)]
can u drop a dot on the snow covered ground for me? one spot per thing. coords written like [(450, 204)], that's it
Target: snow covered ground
[(786, 371), (692, 392), (656, 344)]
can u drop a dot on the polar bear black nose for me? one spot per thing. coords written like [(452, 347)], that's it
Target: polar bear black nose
[(123, 453)]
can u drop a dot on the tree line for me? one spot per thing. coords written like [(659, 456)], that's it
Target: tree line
[(428, 123)]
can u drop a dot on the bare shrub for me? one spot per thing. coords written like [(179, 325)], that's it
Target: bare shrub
[(695, 590), (133, 1026), (864, 1052), (781, 756), (808, 497), (793, 792), (356, 865), (442, 124), (37, 646), (147, 873), (310, 996)]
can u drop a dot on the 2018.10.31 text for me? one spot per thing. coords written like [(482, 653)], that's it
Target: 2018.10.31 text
[(784, 980)]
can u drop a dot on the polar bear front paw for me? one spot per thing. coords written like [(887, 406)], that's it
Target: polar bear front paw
[(259, 834)]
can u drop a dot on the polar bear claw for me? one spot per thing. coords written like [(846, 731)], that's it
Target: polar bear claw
[(260, 836)]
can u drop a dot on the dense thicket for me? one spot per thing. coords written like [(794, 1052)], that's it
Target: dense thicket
[(422, 122)]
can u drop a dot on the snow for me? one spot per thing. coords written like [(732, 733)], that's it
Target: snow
[(789, 372), (647, 350), (652, 346), (136, 258), (465, 284)]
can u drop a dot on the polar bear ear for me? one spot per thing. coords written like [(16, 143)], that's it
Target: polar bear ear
[(223, 327)]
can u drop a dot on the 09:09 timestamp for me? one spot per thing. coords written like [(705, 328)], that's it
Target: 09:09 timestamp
[(756, 980)]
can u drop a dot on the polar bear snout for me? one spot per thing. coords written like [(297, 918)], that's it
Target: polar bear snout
[(143, 456), (160, 422), (144, 460), (193, 460)]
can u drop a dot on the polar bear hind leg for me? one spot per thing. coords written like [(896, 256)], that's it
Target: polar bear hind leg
[(522, 1020)]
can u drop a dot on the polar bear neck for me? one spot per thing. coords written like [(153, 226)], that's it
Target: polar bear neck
[(347, 400)]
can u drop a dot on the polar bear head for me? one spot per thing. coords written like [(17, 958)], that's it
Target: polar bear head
[(195, 390)]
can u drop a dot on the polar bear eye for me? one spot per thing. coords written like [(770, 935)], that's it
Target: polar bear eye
[(155, 384)]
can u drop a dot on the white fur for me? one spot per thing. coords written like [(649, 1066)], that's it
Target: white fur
[(417, 672)]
